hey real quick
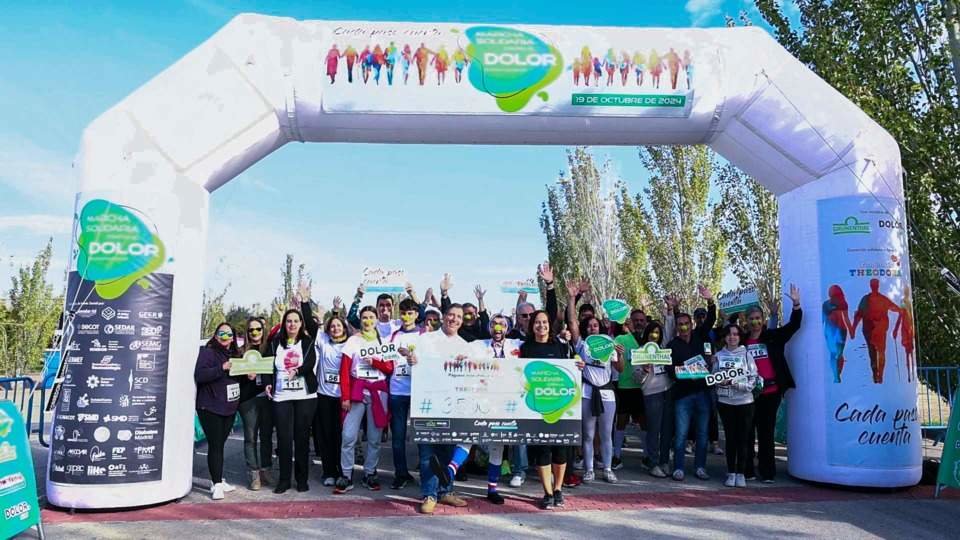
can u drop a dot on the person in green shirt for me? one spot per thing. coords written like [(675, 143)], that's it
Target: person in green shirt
[(629, 395)]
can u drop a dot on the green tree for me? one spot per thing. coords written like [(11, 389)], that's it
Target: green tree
[(30, 317), (670, 236), (898, 62), (579, 220), (747, 217), (214, 311)]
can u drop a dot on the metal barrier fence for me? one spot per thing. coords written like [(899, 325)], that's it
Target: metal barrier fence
[(938, 386), (19, 390)]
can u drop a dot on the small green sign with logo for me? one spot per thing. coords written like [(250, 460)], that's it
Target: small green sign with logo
[(551, 390), (617, 310), (651, 353), (18, 485), (851, 225), (600, 347), (252, 362), (949, 473)]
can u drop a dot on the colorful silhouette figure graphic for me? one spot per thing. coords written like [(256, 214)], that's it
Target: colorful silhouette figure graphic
[(351, 55), (904, 326), (333, 59), (836, 328), (872, 310)]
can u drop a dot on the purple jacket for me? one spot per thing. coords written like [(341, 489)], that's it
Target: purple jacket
[(213, 382)]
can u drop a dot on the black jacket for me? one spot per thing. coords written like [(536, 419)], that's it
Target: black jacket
[(309, 368), (681, 351), (212, 381), (776, 340)]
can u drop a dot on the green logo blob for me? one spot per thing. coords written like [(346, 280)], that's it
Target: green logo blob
[(511, 65), (551, 391), (116, 248)]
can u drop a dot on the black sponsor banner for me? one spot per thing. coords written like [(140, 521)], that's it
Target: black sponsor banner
[(506, 431), (109, 417)]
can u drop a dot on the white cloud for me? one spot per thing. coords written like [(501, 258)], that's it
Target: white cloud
[(37, 172), (701, 11), (41, 224)]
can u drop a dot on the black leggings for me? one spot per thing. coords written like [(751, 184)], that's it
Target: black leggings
[(765, 423), (265, 430), (737, 423), (293, 420), (216, 428), (327, 434)]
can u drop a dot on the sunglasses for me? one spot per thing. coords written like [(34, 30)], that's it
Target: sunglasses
[(224, 335), (255, 330), (524, 316)]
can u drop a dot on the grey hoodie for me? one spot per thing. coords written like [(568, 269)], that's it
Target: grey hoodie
[(740, 390)]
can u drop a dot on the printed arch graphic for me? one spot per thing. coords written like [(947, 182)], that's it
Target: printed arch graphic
[(259, 83)]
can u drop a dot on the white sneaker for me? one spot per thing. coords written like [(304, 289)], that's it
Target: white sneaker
[(329, 481), (588, 477), (702, 474), (217, 492), (227, 488), (516, 481), (678, 475), (609, 476), (741, 481), (716, 449), (578, 465), (731, 480), (657, 472)]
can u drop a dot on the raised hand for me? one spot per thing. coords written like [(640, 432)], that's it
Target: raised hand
[(337, 303), (573, 288), (704, 292), (408, 287), (446, 284), (545, 272), (361, 290), (522, 297), (303, 290), (479, 292), (794, 295)]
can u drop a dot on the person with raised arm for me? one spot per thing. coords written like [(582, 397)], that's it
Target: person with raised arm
[(327, 428)]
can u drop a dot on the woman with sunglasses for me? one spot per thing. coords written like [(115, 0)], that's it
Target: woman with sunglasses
[(293, 390), (255, 413), (218, 395)]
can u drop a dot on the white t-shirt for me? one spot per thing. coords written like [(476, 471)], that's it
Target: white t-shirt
[(284, 388), (400, 380), (329, 355), (595, 372), (386, 329), (363, 352), (440, 346)]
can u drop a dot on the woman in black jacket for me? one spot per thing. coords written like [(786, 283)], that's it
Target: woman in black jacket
[(218, 395), (293, 390), (766, 348)]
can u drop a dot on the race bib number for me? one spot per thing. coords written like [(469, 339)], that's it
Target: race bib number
[(659, 370), (402, 370), (366, 370), (331, 378), (294, 385), (757, 350), (233, 392)]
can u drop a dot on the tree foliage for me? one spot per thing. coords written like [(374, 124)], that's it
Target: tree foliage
[(28, 321), (670, 236), (579, 220), (747, 217), (898, 62)]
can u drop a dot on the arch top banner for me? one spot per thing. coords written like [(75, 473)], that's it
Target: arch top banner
[(491, 69)]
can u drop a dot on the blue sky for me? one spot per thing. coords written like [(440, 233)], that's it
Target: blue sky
[(472, 212)]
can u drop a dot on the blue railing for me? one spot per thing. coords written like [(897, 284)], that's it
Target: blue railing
[(19, 390), (938, 386)]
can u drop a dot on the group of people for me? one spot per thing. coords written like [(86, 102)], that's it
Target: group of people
[(374, 61), (611, 63), (352, 373)]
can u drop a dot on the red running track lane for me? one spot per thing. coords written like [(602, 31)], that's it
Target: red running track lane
[(347, 507)]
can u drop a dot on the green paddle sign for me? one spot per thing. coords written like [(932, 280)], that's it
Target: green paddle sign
[(651, 353), (949, 473), (617, 310), (251, 362), (600, 347)]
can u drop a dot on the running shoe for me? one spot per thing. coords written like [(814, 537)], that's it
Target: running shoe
[(343, 485), (371, 482), (558, 499)]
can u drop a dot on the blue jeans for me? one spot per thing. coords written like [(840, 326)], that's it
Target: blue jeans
[(518, 460), (429, 483), (692, 408), (399, 411)]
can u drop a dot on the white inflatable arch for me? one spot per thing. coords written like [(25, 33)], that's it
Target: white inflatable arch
[(123, 435)]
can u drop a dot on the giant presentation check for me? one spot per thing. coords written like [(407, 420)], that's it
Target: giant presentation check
[(504, 400)]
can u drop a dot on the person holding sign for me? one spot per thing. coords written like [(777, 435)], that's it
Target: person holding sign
[(326, 422), (404, 338), (689, 353), (656, 384), (293, 390), (218, 396), (254, 411), (364, 368), (551, 461), (735, 402), (766, 348), (601, 355)]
